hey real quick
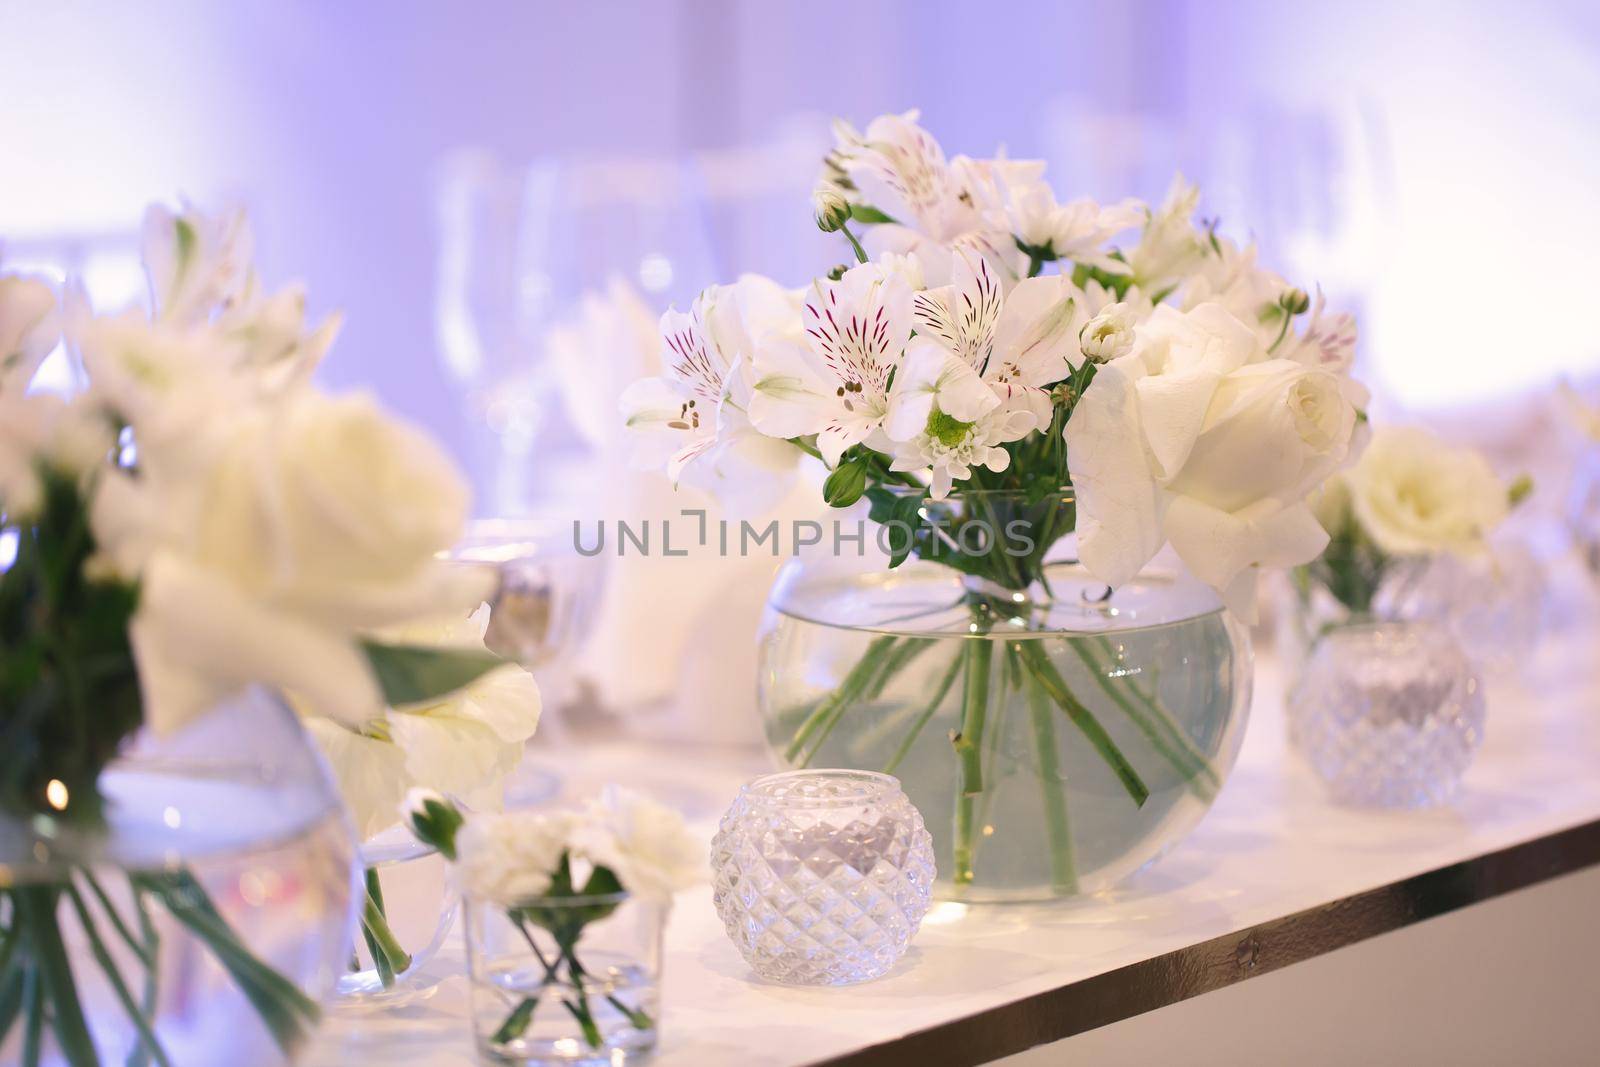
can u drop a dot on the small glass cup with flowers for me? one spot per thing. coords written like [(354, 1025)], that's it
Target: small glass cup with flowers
[(565, 913)]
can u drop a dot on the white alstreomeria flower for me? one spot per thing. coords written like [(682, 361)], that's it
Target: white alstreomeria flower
[(973, 376), (645, 844), (511, 857), (697, 414), (835, 383), (898, 168)]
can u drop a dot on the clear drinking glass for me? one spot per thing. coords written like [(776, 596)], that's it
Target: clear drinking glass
[(566, 980), (415, 901), (1389, 714), (822, 877)]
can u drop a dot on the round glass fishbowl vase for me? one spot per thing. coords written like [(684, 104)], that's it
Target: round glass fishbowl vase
[(1056, 739), (206, 922)]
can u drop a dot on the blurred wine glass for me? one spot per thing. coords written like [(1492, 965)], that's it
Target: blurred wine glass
[(519, 246)]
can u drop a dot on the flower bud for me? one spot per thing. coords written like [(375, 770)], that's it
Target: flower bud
[(1108, 335), (1294, 301), (831, 209), (845, 485)]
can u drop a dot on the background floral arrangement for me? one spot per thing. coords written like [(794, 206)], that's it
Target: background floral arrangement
[(991, 337)]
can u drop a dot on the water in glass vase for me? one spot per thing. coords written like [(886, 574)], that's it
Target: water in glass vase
[(1055, 739), (210, 916)]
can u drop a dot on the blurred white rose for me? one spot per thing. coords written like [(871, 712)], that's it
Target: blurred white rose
[(334, 509), (316, 518), (1415, 494)]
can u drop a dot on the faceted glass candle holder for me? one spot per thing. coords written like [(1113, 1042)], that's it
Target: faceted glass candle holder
[(1389, 714), (822, 877)]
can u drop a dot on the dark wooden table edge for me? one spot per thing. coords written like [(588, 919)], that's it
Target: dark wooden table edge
[(1223, 961)]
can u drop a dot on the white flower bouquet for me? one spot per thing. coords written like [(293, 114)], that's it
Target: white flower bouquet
[(991, 338), (552, 878), (195, 518), (1000, 371)]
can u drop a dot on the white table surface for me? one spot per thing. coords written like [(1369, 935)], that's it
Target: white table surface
[(1270, 847)]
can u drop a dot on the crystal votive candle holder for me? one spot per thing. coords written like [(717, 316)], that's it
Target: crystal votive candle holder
[(822, 877), (572, 981), (1389, 714)]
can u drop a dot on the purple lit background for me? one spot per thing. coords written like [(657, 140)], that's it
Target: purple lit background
[(1432, 165)]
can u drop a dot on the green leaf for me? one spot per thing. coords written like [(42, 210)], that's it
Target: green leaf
[(867, 214), (412, 674)]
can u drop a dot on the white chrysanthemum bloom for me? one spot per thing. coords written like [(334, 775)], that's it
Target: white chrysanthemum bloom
[(645, 844), (511, 857), (1414, 494)]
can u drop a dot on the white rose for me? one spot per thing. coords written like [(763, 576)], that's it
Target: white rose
[(1195, 438), (333, 509), (1413, 494), (645, 844), (511, 857), (319, 518)]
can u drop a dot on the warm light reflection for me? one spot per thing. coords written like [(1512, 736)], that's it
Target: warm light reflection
[(945, 913), (55, 793)]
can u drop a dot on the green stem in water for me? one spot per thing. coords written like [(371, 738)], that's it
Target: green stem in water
[(945, 683), (284, 1008), (837, 701), (1044, 672), (152, 952), (579, 1006), (974, 712), (516, 1024), (637, 1019), (34, 909), (1156, 723), (102, 956), (33, 1013), (968, 745), (387, 954), (904, 653), (1063, 865)]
